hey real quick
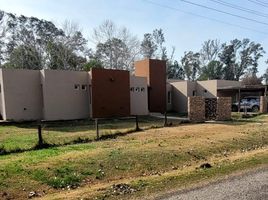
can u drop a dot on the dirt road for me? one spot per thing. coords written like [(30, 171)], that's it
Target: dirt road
[(251, 186)]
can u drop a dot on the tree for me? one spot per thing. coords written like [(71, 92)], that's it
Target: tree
[(112, 53), (26, 57), (93, 63), (251, 79), (2, 36), (213, 70), (68, 49), (27, 34), (148, 46), (265, 75), (239, 56), (121, 46), (175, 71), (191, 65), (209, 52), (153, 42)]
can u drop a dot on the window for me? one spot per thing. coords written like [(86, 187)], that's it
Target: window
[(142, 89), (169, 97), (194, 93), (76, 86), (132, 89), (137, 89), (84, 87), (205, 91)]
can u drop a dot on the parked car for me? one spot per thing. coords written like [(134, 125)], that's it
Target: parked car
[(251, 103)]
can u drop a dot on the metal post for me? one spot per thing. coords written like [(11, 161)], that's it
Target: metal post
[(165, 123), (137, 123), (40, 138), (239, 99), (97, 128)]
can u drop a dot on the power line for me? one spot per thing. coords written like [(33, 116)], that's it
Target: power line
[(259, 3), (227, 13), (240, 8), (205, 17)]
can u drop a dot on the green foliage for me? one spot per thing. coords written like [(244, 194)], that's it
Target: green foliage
[(25, 57), (213, 70), (191, 65), (93, 63), (148, 46), (31, 43), (239, 56), (175, 71)]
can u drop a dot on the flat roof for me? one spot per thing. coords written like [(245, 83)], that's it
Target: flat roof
[(243, 87)]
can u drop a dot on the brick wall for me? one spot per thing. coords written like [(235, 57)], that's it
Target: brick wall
[(196, 109), (224, 108), (263, 104)]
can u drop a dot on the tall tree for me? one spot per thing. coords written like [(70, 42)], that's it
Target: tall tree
[(148, 46), (209, 52), (175, 71), (2, 36), (213, 70), (152, 45), (265, 75), (191, 65), (108, 35), (68, 49), (239, 56)]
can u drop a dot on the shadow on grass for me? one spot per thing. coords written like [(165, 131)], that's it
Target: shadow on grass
[(79, 140)]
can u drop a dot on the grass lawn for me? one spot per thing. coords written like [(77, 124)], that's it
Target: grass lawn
[(149, 162), (24, 136)]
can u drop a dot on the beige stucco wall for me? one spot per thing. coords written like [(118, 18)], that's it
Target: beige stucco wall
[(61, 101), (207, 89), (138, 96), (22, 94), (179, 96)]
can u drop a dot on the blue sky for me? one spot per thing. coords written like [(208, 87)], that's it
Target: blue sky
[(183, 30)]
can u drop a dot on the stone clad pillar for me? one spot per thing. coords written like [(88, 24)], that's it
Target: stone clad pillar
[(196, 109), (263, 104), (224, 108)]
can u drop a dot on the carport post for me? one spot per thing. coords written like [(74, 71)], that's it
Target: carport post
[(239, 98), (97, 128)]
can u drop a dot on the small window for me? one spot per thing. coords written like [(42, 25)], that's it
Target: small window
[(137, 89), (0, 88), (194, 93), (142, 89), (76, 86), (84, 87), (205, 91), (169, 97), (132, 89)]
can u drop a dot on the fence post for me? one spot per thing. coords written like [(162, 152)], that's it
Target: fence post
[(97, 128), (40, 138), (165, 123), (137, 123)]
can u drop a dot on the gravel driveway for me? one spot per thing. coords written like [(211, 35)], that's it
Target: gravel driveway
[(251, 186)]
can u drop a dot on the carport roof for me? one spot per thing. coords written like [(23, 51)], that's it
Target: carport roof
[(243, 87)]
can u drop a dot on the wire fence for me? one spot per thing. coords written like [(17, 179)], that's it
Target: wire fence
[(19, 137)]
